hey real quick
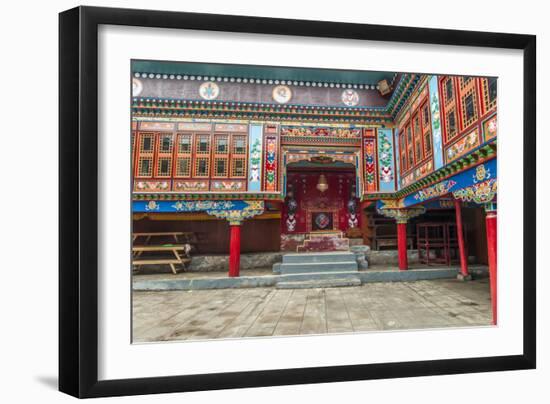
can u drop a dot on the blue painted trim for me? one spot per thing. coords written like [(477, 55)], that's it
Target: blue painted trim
[(458, 181), (186, 206)]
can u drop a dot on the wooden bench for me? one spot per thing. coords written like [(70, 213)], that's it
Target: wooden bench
[(176, 250), (188, 237)]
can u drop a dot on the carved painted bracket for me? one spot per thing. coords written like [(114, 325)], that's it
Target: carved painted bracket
[(236, 217), (401, 215)]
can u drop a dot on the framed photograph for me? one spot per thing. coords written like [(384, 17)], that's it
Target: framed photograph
[(251, 201)]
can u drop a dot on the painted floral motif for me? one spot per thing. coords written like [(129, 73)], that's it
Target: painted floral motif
[(434, 191), (350, 98), (197, 206), (209, 90), (434, 107), (282, 94), (418, 173), (315, 131), (385, 157), (370, 164), (228, 185), (152, 205), (271, 164), (191, 185), (255, 161), (490, 128), (152, 186), (481, 192), (460, 148)]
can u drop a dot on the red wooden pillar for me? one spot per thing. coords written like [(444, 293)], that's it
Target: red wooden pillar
[(491, 224), (461, 245), (234, 248), (402, 245)]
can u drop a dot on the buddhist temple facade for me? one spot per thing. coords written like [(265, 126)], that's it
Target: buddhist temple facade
[(262, 159)]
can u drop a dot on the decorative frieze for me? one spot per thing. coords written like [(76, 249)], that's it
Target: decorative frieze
[(463, 146)]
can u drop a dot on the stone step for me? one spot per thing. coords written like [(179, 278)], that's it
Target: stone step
[(318, 257), (314, 267), (317, 276), (320, 283)]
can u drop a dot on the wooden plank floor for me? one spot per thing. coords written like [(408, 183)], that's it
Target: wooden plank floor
[(264, 312)]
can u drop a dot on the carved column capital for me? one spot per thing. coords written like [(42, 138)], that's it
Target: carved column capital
[(236, 217), (402, 215)]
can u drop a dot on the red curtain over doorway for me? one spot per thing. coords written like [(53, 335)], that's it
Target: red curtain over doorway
[(313, 204)]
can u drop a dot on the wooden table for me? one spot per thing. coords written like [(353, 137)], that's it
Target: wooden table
[(175, 249), (188, 237)]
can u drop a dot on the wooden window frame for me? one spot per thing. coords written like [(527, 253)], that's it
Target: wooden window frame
[(451, 99), (198, 138), (220, 156), (178, 154), (196, 162), (235, 156), (145, 155), (235, 160), (488, 104), (164, 155), (418, 147), (448, 135), (426, 122), (464, 119)]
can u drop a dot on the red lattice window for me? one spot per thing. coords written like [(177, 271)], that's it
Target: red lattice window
[(239, 144), (238, 156), (183, 155), (417, 140), (220, 167), (164, 167), (238, 167), (202, 144), (451, 129), (145, 152), (202, 167), (469, 108), (489, 86), (403, 150), (183, 167), (465, 81), (221, 156), (426, 129), (448, 90), (165, 146)]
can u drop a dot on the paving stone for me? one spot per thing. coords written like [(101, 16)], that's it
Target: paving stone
[(233, 313)]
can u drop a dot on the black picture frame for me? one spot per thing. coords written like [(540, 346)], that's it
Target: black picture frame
[(78, 195)]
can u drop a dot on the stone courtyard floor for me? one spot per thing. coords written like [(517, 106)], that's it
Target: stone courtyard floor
[(255, 312)]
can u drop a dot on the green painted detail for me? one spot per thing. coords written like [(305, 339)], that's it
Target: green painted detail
[(178, 196)]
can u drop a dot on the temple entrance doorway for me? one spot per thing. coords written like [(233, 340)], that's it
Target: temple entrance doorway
[(320, 208)]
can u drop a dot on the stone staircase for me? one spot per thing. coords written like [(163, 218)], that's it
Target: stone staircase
[(324, 241), (317, 270)]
